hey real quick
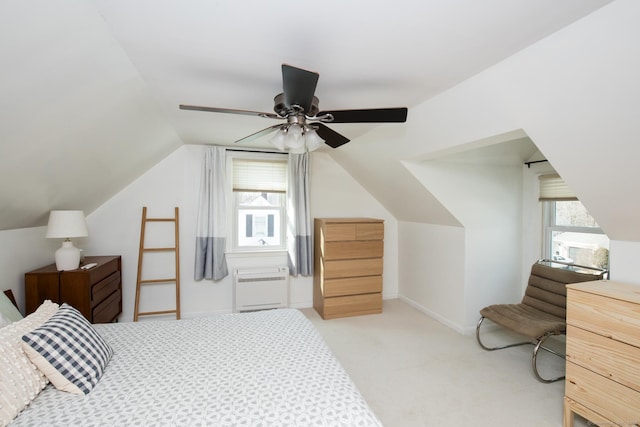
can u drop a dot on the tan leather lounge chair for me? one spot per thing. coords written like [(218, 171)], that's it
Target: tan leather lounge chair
[(542, 312)]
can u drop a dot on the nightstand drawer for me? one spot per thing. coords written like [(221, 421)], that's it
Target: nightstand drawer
[(613, 401), (103, 269), (352, 286), (607, 357), (104, 288), (108, 310), (606, 316)]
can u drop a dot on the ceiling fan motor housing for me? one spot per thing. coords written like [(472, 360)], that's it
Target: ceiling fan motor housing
[(284, 110)]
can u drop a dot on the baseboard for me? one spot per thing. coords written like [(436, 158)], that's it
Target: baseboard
[(436, 316)]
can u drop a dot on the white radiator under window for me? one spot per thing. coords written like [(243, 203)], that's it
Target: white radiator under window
[(259, 289)]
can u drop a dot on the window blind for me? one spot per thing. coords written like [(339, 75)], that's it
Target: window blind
[(255, 175), (553, 188)]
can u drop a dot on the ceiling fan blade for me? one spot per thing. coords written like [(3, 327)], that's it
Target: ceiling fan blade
[(373, 115), (299, 86), (263, 132), (229, 110), (331, 137)]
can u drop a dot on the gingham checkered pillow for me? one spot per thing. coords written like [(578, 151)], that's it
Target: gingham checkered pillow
[(68, 351)]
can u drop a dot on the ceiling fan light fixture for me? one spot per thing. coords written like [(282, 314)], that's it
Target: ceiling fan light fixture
[(279, 140), (313, 140), (296, 139), (294, 135)]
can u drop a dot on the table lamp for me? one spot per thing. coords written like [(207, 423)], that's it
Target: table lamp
[(66, 225)]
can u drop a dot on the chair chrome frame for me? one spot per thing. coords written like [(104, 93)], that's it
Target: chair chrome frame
[(538, 345)]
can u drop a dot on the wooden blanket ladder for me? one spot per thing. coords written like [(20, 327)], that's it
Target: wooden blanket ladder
[(147, 250)]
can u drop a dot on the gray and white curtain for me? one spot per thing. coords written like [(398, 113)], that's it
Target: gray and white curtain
[(299, 231), (211, 228)]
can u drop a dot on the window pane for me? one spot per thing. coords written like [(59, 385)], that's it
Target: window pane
[(259, 199), (262, 227), (573, 236), (573, 214), (259, 219), (588, 249)]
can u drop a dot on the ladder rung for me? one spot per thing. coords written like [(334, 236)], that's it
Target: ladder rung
[(157, 281), (151, 313), (158, 249), (160, 219)]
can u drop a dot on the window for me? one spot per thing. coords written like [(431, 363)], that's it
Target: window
[(259, 200), (571, 234)]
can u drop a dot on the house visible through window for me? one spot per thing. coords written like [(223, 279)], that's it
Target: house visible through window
[(259, 193), (571, 234)]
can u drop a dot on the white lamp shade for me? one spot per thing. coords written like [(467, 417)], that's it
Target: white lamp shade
[(66, 224), (313, 140), (278, 140), (296, 139)]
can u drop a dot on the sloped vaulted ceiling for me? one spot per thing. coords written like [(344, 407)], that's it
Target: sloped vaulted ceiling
[(90, 89)]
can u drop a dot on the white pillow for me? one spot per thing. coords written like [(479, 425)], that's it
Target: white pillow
[(8, 311), (69, 351), (20, 380), (4, 321)]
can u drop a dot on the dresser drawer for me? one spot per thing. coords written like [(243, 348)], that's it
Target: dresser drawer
[(352, 268), (613, 401), (353, 231), (370, 231), (606, 316), (352, 286), (353, 249), (607, 357), (108, 309), (105, 287), (352, 305)]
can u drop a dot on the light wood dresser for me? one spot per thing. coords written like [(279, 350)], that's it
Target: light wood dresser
[(347, 279), (603, 353)]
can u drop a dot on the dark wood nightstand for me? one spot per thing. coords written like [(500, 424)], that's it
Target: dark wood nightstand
[(96, 292)]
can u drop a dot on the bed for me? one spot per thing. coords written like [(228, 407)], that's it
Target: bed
[(267, 368)]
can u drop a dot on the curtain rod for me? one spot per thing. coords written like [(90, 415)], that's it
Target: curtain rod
[(535, 161), (245, 150)]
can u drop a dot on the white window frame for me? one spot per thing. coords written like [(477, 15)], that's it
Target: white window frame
[(549, 227), (232, 238)]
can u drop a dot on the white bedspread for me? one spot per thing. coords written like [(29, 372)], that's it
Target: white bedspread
[(268, 368)]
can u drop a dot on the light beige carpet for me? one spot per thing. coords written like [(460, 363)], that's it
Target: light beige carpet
[(414, 371)]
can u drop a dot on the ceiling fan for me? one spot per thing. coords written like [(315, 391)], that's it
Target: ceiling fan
[(305, 129)]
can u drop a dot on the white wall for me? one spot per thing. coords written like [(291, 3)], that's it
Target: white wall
[(431, 270), (574, 94), (115, 229), (623, 257), (23, 250), (486, 198)]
